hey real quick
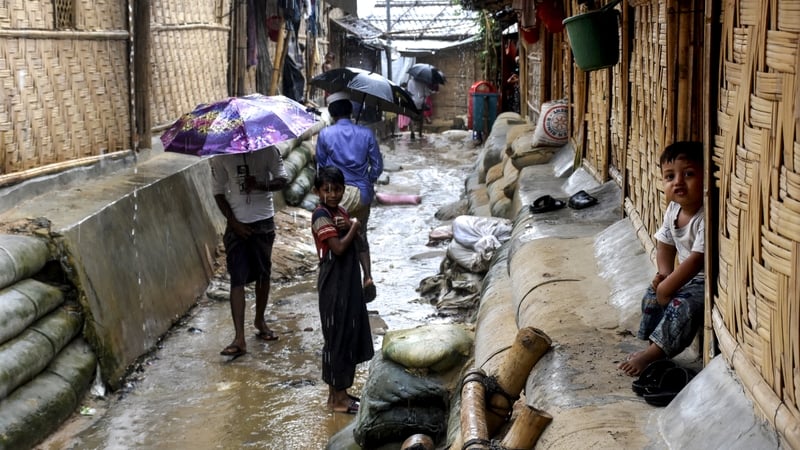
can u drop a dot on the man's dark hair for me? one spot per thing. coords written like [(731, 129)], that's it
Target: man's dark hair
[(688, 150), (328, 174), (340, 108)]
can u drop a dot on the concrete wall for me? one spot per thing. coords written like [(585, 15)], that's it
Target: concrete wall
[(139, 243)]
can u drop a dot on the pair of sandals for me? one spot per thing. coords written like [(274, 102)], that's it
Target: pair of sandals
[(546, 203), (661, 381)]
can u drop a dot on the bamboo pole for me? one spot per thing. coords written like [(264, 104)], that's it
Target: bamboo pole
[(68, 35), (18, 177), (528, 347), (526, 429), (280, 51), (142, 76), (241, 47), (474, 434)]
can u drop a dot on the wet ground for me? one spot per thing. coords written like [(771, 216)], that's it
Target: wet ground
[(185, 395)]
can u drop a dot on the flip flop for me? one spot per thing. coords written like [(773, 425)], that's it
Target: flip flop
[(580, 200), (671, 383), (546, 203), (352, 408), (651, 375), (234, 351), (268, 335), (370, 292)]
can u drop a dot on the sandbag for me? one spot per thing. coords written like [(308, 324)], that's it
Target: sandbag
[(20, 257), (467, 258), (310, 201), (295, 161), (386, 198), (29, 353), (298, 188), (468, 230), (524, 153), (551, 127), (38, 408), (396, 404), (438, 347), (494, 173), (517, 131), (24, 302)]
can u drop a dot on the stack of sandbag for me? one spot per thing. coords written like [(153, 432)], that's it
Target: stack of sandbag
[(45, 365), (300, 169), (407, 389), (475, 240), (501, 181), (491, 154)]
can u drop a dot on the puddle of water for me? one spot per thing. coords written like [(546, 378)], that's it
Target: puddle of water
[(187, 396)]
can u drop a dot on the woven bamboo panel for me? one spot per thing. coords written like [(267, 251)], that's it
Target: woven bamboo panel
[(89, 15), (756, 148), (26, 14), (69, 100), (180, 12), (597, 118), (647, 103), (190, 67), (98, 15)]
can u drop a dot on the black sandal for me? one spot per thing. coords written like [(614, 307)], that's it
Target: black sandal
[(546, 203)]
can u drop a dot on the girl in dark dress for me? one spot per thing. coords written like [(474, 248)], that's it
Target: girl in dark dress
[(342, 310)]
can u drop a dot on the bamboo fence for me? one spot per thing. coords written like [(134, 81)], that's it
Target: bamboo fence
[(756, 309), (65, 93), (190, 42)]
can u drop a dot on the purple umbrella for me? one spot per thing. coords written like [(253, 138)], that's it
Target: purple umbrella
[(237, 125)]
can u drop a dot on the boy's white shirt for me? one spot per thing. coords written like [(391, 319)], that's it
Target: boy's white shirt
[(687, 239), (228, 175)]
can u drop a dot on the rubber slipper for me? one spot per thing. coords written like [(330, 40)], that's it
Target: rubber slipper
[(651, 375), (234, 351), (352, 407), (370, 292), (580, 200), (546, 203), (672, 382), (268, 335)]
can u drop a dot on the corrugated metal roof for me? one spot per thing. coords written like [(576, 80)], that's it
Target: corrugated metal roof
[(423, 19)]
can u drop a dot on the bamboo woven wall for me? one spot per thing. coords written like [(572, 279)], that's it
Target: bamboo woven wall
[(756, 312), (189, 53), (647, 127), (64, 93), (598, 113)]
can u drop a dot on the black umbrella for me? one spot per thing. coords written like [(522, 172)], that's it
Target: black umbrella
[(427, 74), (367, 88)]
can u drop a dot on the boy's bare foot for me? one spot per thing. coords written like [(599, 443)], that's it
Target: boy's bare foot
[(341, 401), (635, 363)]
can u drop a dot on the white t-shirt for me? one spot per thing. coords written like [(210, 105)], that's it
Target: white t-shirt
[(687, 239), (229, 172)]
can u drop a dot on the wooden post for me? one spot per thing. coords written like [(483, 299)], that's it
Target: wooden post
[(473, 418), (142, 78), (241, 47), (280, 52), (526, 429), (529, 345)]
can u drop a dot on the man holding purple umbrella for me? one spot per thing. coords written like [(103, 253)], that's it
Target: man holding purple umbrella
[(242, 186)]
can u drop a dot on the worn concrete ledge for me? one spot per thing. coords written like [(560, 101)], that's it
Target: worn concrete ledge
[(139, 243)]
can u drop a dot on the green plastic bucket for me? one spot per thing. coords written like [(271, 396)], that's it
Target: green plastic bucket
[(594, 38)]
